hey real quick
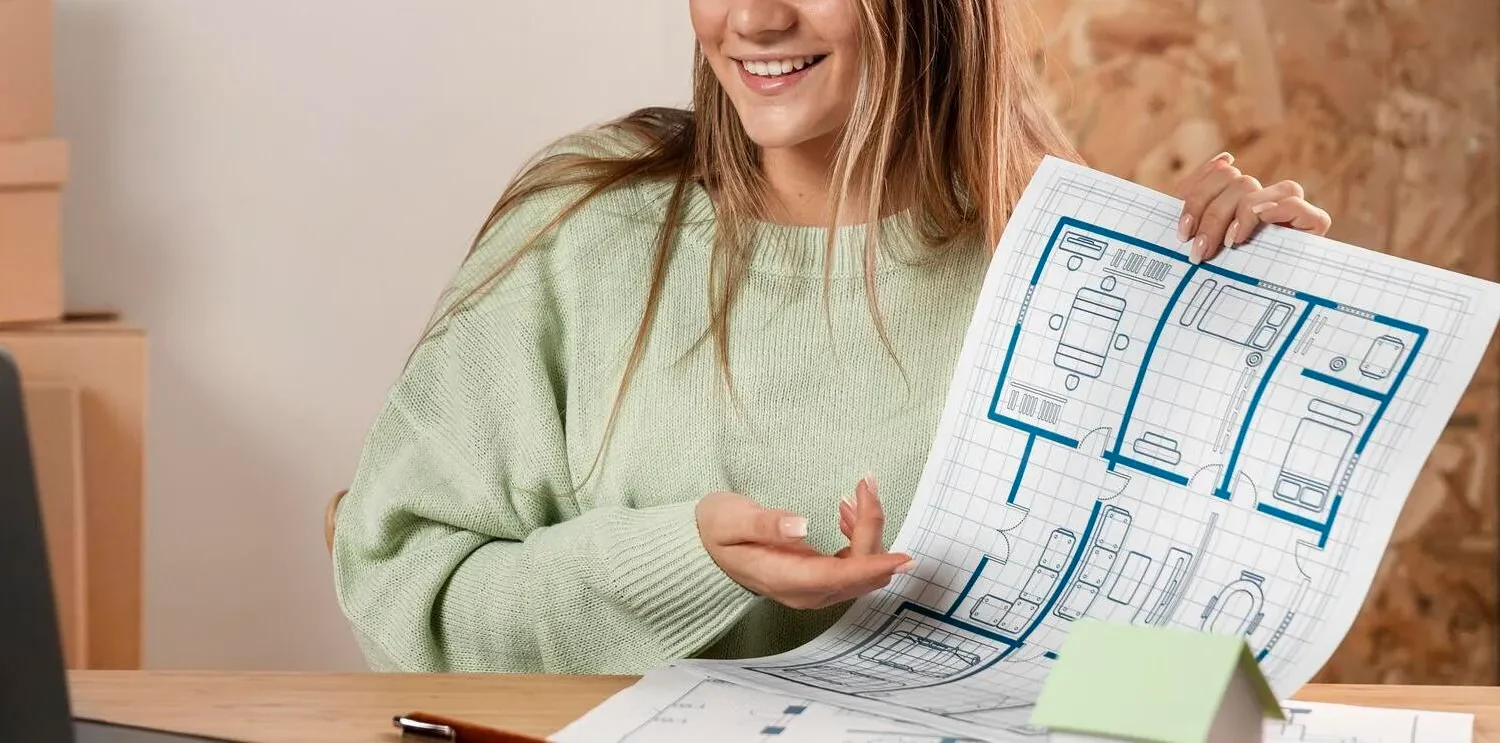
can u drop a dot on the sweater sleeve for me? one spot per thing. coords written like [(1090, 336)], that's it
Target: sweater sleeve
[(461, 546)]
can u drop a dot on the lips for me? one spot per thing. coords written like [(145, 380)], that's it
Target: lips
[(779, 67), (772, 76)]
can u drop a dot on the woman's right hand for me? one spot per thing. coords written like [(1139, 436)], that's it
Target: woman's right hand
[(763, 550)]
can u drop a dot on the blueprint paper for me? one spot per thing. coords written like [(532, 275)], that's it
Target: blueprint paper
[(1135, 438), (677, 705), (1338, 723)]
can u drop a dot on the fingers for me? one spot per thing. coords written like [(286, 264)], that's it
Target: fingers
[(829, 581), (1219, 216), (730, 518), (869, 519), (1223, 207), (1295, 212), (1246, 220), (1200, 195), (1192, 180)]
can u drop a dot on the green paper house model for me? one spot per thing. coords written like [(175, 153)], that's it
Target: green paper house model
[(1122, 682)]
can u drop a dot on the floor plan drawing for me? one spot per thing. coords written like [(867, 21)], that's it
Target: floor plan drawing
[(674, 704), (1134, 437)]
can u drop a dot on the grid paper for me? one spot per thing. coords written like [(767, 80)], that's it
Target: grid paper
[(1135, 438)]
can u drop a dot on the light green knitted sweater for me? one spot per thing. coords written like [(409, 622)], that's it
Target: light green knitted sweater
[(461, 545)]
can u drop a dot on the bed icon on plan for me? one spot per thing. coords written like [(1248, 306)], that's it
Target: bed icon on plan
[(1244, 318), (911, 653), (1313, 463)]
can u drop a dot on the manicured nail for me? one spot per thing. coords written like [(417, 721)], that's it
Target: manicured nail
[(849, 500), (1185, 228), (1263, 208), (1200, 247), (873, 485), (1225, 156), (906, 567), (794, 527), (1232, 236)]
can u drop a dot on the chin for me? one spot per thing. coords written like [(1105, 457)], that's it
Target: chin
[(779, 136)]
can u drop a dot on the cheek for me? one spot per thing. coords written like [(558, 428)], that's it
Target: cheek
[(709, 18)]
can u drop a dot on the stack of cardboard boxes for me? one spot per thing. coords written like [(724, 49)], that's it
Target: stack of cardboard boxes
[(85, 381)]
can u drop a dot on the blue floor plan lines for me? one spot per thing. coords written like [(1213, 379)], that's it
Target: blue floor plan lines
[(1130, 436), (1234, 342)]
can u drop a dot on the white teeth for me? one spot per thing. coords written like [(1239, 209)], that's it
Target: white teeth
[(776, 68)]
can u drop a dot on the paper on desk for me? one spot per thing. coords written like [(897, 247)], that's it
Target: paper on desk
[(679, 705), (1308, 722), (1136, 438)]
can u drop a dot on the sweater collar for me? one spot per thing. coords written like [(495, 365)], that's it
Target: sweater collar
[(790, 250)]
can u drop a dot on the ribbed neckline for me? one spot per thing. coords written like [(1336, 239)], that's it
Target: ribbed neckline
[(789, 250)]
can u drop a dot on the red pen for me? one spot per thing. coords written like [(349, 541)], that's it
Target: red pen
[(436, 727)]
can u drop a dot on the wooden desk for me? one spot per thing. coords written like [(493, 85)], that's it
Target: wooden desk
[(357, 708)]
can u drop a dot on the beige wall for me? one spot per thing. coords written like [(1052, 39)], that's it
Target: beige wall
[(276, 190)]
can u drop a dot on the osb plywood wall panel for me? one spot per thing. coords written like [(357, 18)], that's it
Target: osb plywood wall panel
[(1386, 111)]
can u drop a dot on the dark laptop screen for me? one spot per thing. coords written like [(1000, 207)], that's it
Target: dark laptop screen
[(33, 688)]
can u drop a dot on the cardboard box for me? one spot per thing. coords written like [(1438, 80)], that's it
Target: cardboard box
[(106, 362), (27, 107), (55, 424), (32, 173)]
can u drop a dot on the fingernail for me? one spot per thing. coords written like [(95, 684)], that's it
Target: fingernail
[(1185, 228), (1200, 246), (874, 486), (906, 567), (1262, 208), (1225, 156), (849, 500), (1231, 237), (794, 527)]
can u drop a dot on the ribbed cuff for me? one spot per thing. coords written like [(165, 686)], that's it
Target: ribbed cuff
[(659, 568)]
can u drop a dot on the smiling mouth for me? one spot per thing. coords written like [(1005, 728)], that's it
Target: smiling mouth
[(773, 69)]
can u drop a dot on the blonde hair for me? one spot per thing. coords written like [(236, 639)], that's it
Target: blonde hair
[(948, 124)]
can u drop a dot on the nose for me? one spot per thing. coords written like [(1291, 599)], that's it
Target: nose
[(759, 20)]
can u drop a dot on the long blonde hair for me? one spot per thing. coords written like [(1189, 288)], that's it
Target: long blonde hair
[(948, 124)]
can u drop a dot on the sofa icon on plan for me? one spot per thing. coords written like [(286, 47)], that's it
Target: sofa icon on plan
[(1096, 565), (989, 610), (1019, 615)]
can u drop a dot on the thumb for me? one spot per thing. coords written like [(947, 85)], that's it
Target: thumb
[(878, 567)]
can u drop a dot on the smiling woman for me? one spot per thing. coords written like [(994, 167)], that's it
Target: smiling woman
[(572, 476), (797, 66)]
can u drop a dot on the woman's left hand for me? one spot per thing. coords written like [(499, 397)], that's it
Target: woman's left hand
[(1224, 207)]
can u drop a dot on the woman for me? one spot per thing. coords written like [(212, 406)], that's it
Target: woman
[(625, 437)]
